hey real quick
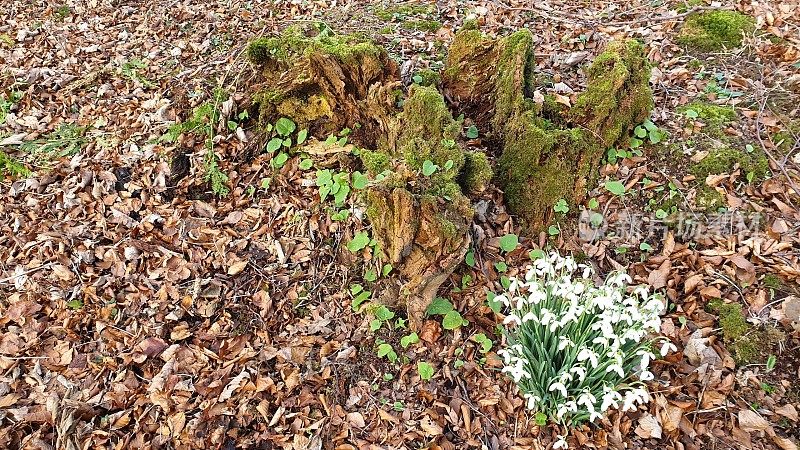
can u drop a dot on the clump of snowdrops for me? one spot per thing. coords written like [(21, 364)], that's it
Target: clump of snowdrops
[(576, 349)]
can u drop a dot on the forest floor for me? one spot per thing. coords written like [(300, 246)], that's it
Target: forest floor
[(140, 310)]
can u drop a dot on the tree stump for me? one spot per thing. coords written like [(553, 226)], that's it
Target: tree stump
[(549, 151), (421, 176)]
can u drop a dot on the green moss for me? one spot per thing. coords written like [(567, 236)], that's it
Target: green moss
[(538, 167), (715, 116), (429, 132), (785, 139), (466, 43), (375, 162), (279, 48), (709, 199), (509, 100), (726, 160), (293, 42), (772, 281), (476, 173), (428, 77), (422, 25), (618, 95), (386, 30), (747, 344), (715, 30)]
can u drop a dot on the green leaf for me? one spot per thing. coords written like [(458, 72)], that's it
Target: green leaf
[(640, 132), (448, 165), (384, 350), (305, 164), (650, 126), (75, 303), (386, 269), (483, 341), (470, 258), (661, 214), (274, 144), (439, 307), (359, 299), (417, 79), (771, 361), (375, 325), (452, 320), (509, 242), (491, 300), (279, 160), (561, 207), (359, 242), (331, 140), (553, 230), (287, 142), (383, 313), (411, 339), (284, 126), (692, 114), (425, 370), (232, 125), (655, 136), (541, 419), (341, 193), (636, 142), (265, 182), (501, 266), (359, 180), (536, 253), (472, 132), (645, 247), (428, 168), (615, 187), (371, 275), (596, 219), (302, 136)]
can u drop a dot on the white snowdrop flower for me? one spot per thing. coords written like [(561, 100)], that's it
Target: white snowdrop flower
[(502, 299), (667, 347), (564, 342), (588, 271), (530, 316), (587, 399), (536, 297), (585, 353), (561, 443), (610, 398), (616, 368), (646, 358), (532, 401), (512, 318), (629, 404), (646, 375), (580, 371), (559, 387)]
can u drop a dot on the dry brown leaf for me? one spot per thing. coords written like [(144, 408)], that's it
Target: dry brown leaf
[(658, 278), (751, 421), (356, 420), (648, 427), (788, 410), (430, 427)]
